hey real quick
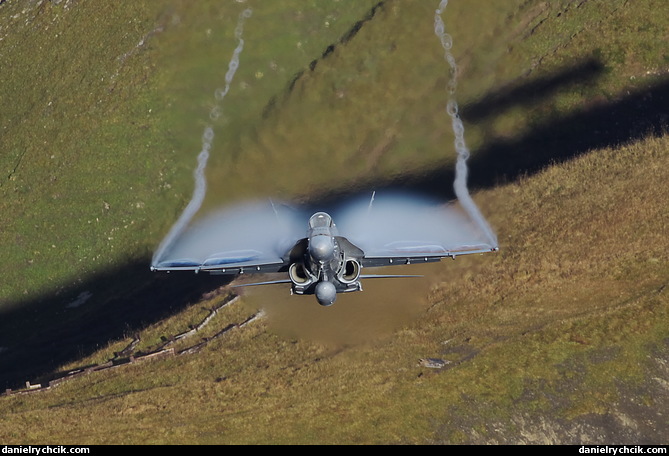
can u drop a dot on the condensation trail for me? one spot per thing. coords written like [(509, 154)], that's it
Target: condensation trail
[(207, 140), (460, 182)]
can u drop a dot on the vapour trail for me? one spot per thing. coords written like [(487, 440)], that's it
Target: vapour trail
[(460, 182), (207, 141)]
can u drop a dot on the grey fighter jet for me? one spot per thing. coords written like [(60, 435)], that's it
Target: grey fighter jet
[(262, 239)]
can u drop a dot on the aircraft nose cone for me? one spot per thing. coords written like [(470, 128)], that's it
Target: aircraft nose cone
[(326, 293), (321, 248)]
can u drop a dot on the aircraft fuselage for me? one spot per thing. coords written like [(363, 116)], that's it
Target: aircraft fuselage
[(329, 265)]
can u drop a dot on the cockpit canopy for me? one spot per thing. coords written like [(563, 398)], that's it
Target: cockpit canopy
[(320, 220)]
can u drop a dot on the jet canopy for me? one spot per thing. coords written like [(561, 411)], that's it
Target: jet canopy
[(320, 220)]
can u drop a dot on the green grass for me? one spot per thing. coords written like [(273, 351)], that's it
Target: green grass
[(560, 331)]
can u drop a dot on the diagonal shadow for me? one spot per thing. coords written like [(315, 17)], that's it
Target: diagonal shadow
[(636, 115), (631, 117), (513, 95), (39, 335)]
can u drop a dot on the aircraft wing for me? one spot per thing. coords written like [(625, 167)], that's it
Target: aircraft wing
[(255, 237), (230, 262), (403, 230), (411, 253)]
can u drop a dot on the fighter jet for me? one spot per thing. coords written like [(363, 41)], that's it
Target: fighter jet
[(320, 261)]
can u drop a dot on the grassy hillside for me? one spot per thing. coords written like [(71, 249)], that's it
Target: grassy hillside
[(561, 337)]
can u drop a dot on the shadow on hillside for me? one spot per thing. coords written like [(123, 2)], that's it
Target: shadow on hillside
[(40, 335), (629, 118), (623, 120)]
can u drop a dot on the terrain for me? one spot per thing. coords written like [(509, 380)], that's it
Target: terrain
[(560, 337)]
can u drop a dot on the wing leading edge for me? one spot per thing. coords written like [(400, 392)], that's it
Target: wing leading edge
[(233, 262), (413, 253)]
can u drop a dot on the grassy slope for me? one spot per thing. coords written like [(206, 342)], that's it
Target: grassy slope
[(67, 141), (561, 337)]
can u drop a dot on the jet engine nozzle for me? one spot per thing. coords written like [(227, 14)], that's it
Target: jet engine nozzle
[(322, 248), (326, 293), (349, 272), (300, 275)]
